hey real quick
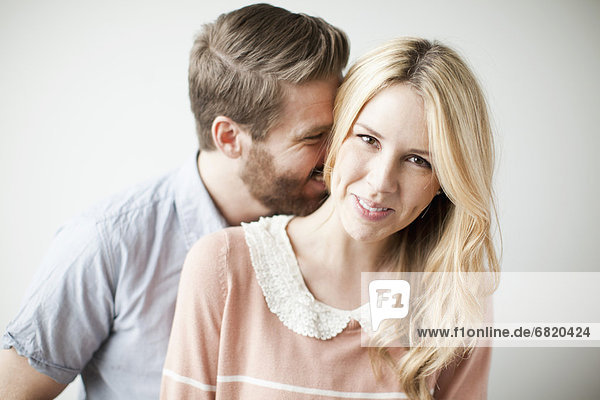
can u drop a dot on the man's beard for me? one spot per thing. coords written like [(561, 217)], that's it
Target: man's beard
[(282, 193)]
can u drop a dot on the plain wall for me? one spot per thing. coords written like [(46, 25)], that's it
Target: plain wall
[(94, 98)]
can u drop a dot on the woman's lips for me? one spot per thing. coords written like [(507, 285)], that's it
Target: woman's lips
[(369, 210)]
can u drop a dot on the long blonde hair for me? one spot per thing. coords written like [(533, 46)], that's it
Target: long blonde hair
[(454, 236)]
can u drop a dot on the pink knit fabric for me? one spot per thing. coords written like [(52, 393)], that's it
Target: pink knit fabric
[(227, 344)]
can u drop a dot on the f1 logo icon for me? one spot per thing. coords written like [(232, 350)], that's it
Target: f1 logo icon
[(388, 299)]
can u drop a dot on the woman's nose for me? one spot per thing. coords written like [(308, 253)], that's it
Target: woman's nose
[(382, 176)]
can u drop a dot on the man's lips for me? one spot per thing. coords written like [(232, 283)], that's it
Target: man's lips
[(316, 174), (315, 184)]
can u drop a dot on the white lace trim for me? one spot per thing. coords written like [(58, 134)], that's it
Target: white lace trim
[(286, 294)]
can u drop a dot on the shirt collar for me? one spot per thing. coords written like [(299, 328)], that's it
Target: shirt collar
[(195, 208), (286, 294)]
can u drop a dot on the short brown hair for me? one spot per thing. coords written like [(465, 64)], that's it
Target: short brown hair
[(238, 62)]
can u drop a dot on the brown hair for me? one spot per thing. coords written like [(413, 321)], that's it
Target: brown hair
[(237, 64)]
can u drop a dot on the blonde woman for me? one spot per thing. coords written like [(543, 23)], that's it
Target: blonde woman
[(270, 310)]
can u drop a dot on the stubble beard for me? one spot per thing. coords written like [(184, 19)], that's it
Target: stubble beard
[(281, 193)]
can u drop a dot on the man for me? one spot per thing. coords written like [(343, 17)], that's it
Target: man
[(262, 82)]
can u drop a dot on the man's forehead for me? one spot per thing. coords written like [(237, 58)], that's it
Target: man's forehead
[(292, 91), (307, 108)]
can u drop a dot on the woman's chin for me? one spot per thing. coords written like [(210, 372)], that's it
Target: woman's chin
[(363, 233)]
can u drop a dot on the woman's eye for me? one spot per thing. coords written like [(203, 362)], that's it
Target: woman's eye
[(421, 162), (370, 140)]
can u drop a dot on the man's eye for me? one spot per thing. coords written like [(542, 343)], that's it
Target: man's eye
[(370, 140), (315, 137), (421, 162)]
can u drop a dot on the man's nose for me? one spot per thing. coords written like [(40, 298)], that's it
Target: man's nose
[(322, 153)]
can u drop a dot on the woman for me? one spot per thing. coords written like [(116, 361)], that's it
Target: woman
[(263, 310)]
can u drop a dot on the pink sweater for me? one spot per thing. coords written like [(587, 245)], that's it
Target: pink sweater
[(227, 344)]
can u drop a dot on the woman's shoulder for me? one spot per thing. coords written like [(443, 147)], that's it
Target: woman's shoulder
[(236, 237), (217, 246), (209, 263), (233, 250)]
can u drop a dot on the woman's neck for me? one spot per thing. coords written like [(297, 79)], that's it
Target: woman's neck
[(330, 260), (322, 235)]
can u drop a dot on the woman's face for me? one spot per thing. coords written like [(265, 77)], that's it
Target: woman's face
[(383, 178)]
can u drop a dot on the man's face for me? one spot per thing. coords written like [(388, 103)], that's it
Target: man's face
[(284, 171)]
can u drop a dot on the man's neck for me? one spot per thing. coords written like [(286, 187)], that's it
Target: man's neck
[(229, 193)]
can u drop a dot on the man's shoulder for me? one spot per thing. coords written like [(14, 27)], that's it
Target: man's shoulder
[(129, 215), (173, 210), (139, 198)]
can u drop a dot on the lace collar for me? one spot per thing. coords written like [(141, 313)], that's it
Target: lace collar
[(286, 294)]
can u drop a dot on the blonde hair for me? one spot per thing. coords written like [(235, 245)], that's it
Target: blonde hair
[(454, 236), (238, 62)]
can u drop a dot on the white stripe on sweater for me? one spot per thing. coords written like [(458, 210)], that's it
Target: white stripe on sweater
[(282, 386), (189, 381)]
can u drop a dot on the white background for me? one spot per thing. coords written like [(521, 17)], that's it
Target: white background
[(94, 98)]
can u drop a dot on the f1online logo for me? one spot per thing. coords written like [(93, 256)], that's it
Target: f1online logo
[(388, 299)]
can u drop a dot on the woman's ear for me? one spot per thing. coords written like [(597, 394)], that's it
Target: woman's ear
[(228, 136)]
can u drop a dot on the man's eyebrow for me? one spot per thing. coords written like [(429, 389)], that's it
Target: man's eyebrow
[(313, 131), (374, 133)]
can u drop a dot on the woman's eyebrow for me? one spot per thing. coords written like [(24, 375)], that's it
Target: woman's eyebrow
[(378, 136), (419, 151), (368, 129)]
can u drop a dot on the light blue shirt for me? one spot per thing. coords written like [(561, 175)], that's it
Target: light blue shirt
[(102, 303)]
